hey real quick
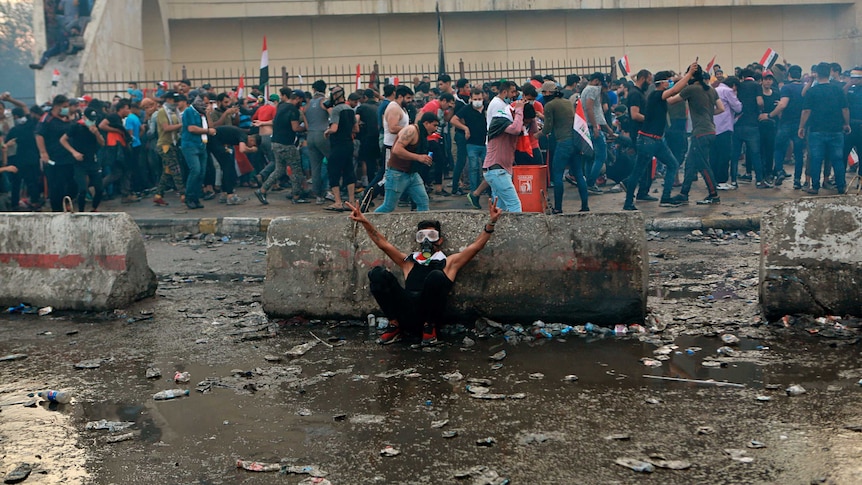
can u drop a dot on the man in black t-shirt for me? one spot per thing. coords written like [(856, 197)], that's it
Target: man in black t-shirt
[(636, 102), (287, 123), (826, 115), (651, 140), (369, 137), (221, 146), (55, 160), (82, 141), (471, 121), (746, 131), (26, 158)]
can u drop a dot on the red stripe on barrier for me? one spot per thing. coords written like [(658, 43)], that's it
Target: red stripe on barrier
[(69, 261)]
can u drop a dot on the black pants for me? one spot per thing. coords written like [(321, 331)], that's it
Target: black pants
[(440, 162), (228, 166), (91, 172), (118, 159), (768, 130), (720, 156), (410, 308), (61, 183), (697, 162), (29, 176)]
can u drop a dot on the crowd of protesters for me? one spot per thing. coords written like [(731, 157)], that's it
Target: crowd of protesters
[(330, 147)]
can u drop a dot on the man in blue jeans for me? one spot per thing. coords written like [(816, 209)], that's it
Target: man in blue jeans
[(559, 120), (592, 98), (410, 149), (194, 136), (651, 139), (503, 133), (747, 131), (788, 111), (826, 114), (470, 120)]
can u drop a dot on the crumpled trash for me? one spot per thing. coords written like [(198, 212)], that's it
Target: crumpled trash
[(23, 309), (636, 465), (453, 376), (450, 434), (705, 430), (153, 373), (256, 466), (11, 357), (389, 451), (314, 481), (795, 390), (89, 364), (45, 311), (533, 438), (730, 339), (499, 356), (570, 378), (754, 444), (537, 376), (301, 349), (650, 362), (618, 437), (440, 423), (661, 462), (739, 455), (489, 441), (481, 475), (181, 377), (111, 426)]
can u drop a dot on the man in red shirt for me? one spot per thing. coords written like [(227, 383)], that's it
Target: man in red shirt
[(262, 119)]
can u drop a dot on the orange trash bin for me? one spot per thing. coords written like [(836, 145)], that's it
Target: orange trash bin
[(531, 183)]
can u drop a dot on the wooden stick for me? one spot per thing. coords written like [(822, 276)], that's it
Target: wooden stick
[(321, 341), (695, 381)]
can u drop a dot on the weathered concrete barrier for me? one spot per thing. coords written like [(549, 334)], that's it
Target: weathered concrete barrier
[(811, 257), (571, 268), (73, 261)]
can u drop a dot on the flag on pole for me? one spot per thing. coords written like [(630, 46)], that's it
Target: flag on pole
[(358, 78), (395, 81), (441, 57), (585, 141), (625, 68), (853, 158), (769, 58), (264, 71), (709, 66), (240, 89)]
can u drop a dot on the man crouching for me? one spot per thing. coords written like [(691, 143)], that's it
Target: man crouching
[(428, 277)]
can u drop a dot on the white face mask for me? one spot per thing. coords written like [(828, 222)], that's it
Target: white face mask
[(21, 120), (478, 104)]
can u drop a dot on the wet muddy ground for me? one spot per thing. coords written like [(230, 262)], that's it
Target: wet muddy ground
[(346, 399)]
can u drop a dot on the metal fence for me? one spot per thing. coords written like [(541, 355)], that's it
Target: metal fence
[(373, 75)]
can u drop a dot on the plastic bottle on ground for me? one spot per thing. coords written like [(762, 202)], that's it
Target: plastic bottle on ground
[(170, 394), (61, 397)]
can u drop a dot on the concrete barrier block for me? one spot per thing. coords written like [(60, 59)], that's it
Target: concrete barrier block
[(811, 257), (165, 226), (73, 261), (572, 268)]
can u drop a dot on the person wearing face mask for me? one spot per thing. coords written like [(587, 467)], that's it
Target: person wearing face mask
[(56, 162), (169, 124), (429, 276), (24, 155), (471, 121), (82, 141)]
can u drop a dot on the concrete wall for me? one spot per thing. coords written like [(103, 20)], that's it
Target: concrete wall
[(73, 261), (811, 257), (659, 38), (572, 268)]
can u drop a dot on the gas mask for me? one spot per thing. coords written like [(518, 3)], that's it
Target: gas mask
[(426, 239)]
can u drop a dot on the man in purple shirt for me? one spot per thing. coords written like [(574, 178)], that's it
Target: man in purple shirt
[(723, 146)]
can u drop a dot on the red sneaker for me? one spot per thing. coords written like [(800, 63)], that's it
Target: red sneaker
[(429, 335), (157, 200), (391, 335)]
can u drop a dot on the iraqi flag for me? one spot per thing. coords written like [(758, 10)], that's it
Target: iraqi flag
[(710, 65), (264, 71), (769, 58), (240, 89), (853, 158), (358, 77), (625, 68), (585, 141)]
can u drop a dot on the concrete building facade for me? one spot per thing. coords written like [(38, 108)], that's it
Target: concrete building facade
[(161, 36)]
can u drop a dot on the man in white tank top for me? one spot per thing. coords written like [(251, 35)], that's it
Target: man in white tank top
[(395, 118)]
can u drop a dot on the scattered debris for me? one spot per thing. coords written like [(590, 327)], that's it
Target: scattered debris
[(89, 364), (300, 350), (636, 465), (499, 356), (120, 437), (570, 378), (153, 373), (19, 473), (11, 357), (489, 441), (111, 426), (453, 376), (739, 455), (182, 377), (389, 451), (795, 390), (618, 437), (481, 475), (255, 466), (439, 424), (450, 434), (754, 444)]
